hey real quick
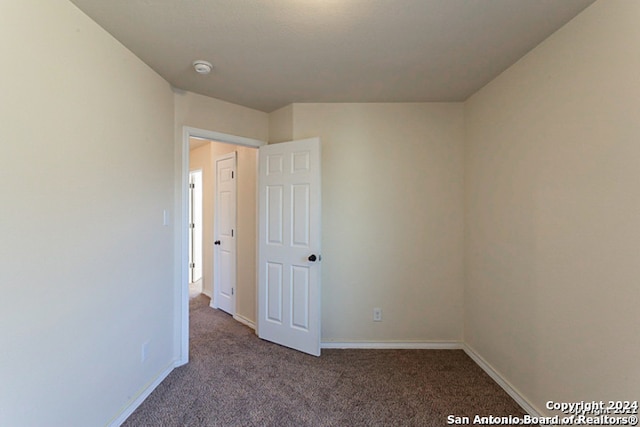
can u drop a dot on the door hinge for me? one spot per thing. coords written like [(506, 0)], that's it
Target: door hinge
[(192, 225), (192, 185), (192, 265), (231, 291), (231, 232), (232, 174)]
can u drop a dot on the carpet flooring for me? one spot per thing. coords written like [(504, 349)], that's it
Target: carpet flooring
[(236, 379)]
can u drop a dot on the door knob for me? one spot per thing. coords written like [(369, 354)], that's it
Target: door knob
[(312, 258), (217, 242)]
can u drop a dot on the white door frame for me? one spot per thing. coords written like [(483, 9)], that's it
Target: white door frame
[(181, 278), (193, 249)]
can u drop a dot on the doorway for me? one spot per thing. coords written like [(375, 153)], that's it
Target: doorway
[(200, 149), (302, 159)]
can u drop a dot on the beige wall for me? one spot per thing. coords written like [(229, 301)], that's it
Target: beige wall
[(281, 125), (212, 114), (247, 236), (86, 158), (420, 286), (392, 221), (204, 158), (553, 213)]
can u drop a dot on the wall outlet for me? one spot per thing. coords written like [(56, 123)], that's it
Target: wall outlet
[(377, 314), (144, 351)]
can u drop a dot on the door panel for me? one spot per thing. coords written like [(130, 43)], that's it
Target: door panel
[(300, 216), (274, 292), (289, 233), (300, 297), (274, 214), (226, 265)]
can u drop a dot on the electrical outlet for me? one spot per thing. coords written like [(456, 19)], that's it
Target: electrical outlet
[(377, 314)]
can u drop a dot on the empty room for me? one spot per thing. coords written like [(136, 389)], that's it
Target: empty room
[(445, 228)]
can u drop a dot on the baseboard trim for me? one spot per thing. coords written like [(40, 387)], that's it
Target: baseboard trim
[(117, 422), (396, 345), (502, 382), (245, 321)]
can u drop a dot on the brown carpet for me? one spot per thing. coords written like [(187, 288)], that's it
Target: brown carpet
[(235, 379)]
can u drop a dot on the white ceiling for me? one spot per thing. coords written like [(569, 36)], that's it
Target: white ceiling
[(270, 53)]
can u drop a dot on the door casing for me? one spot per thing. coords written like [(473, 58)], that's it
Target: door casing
[(195, 231)]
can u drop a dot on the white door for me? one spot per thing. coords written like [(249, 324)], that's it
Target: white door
[(224, 252), (289, 245)]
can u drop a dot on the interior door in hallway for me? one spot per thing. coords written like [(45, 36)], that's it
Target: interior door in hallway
[(224, 253), (289, 244)]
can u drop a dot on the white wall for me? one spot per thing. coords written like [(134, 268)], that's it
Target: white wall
[(86, 170), (553, 213), (392, 219)]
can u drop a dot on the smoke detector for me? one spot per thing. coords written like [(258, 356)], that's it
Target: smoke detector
[(202, 67)]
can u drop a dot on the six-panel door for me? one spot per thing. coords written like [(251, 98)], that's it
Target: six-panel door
[(289, 239)]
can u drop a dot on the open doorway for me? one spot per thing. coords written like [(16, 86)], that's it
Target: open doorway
[(247, 213), (299, 161), (221, 279)]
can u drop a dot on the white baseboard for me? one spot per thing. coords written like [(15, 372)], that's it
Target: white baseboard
[(245, 321), (502, 382), (400, 345), (141, 397)]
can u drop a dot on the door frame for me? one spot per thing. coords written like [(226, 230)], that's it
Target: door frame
[(191, 231), (181, 236)]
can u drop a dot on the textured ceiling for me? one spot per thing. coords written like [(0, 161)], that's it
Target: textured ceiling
[(268, 54)]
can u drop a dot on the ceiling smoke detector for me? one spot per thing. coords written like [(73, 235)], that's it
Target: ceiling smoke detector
[(202, 67)]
